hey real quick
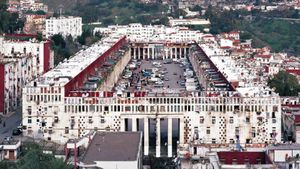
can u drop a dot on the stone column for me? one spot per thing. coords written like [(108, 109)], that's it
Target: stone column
[(134, 53), (180, 52), (134, 126), (139, 53), (146, 136), (176, 54), (171, 53), (181, 131), (184, 52), (153, 53), (122, 124), (170, 137), (157, 137)]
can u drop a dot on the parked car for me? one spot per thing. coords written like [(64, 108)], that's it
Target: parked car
[(17, 132)]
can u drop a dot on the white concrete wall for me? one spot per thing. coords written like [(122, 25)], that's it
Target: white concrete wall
[(118, 164)]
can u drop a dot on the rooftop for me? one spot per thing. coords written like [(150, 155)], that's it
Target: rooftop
[(113, 146), (293, 146), (69, 69)]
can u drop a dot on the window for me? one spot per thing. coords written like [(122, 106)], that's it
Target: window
[(247, 119), (213, 141), (29, 120), (237, 131), (273, 115), (234, 161), (201, 119), (253, 132), (90, 119), (231, 120), (207, 130), (66, 130), (213, 120), (56, 119), (102, 119)]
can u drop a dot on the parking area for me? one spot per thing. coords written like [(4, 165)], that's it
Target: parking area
[(157, 76)]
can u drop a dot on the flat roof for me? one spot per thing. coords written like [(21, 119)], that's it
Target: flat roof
[(113, 146), (293, 146), (68, 69)]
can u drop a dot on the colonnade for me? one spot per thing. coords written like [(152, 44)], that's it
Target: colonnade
[(153, 53), (146, 133)]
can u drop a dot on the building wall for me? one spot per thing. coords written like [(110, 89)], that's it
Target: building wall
[(118, 164), (2, 88), (80, 115), (41, 49), (117, 71)]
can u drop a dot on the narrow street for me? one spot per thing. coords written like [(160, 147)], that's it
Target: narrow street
[(11, 123)]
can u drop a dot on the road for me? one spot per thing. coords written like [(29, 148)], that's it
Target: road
[(11, 123)]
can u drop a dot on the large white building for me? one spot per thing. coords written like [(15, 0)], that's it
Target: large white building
[(64, 25), (57, 107), (188, 22), (137, 32), (20, 63)]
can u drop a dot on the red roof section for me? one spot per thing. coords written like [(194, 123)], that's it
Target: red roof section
[(264, 56), (294, 71), (236, 157), (297, 119)]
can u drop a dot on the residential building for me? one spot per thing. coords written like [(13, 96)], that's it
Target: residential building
[(224, 100), (20, 63), (64, 25)]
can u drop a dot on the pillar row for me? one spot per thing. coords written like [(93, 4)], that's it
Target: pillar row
[(146, 136), (157, 137)]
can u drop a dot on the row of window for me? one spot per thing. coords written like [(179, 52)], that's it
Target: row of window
[(231, 119), (44, 98), (123, 108)]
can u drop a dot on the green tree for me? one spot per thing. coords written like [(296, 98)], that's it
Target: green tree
[(285, 84), (34, 158), (58, 41), (9, 22)]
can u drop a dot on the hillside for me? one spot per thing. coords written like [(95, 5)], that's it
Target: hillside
[(111, 11), (65, 4)]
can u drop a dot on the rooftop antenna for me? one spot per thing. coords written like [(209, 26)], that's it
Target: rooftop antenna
[(60, 10)]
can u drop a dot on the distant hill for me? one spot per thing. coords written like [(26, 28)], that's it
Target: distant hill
[(66, 5), (111, 11)]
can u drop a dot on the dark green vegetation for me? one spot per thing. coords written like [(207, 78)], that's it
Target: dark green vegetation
[(115, 11), (9, 22), (285, 84), (34, 158), (266, 29), (159, 163)]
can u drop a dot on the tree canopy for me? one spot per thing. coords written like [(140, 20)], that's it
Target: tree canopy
[(34, 158), (285, 84), (9, 22)]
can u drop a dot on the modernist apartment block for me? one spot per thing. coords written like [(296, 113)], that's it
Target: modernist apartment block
[(64, 26), (78, 97), (20, 63)]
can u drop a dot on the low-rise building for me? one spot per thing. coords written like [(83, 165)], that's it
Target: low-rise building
[(10, 150), (110, 150)]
